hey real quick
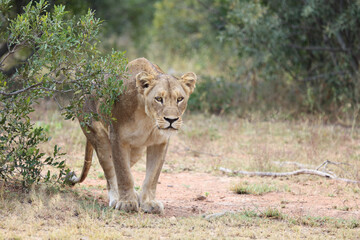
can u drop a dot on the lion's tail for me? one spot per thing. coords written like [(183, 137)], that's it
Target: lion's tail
[(71, 177)]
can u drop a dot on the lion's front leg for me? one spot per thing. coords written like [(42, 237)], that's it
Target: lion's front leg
[(128, 198), (154, 162)]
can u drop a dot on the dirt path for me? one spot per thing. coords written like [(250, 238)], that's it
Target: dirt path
[(305, 196)]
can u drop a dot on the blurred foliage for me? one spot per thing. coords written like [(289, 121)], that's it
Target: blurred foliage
[(311, 46), (190, 29), (130, 17), (185, 26), (301, 55), (61, 57), (216, 95)]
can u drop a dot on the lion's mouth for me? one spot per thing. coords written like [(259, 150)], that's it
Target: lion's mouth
[(169, 128)]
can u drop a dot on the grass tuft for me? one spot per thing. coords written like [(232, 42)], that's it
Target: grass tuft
[(273, 213), (254, 189), (354, 224)]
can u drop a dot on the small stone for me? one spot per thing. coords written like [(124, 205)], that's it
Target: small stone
[(194, 209), (200, 198), (173, 220)]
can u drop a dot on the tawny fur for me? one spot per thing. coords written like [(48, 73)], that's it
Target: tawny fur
[(148, 111)]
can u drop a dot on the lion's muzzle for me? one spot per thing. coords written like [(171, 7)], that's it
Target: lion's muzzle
[(169, 123)]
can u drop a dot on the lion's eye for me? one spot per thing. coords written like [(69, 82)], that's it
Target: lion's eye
[(159, 99), (180, 99)]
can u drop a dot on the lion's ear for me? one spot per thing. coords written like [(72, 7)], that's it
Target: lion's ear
[(143, 81), (189, 81)]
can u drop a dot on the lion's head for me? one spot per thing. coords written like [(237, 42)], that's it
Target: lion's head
[(165, 97)]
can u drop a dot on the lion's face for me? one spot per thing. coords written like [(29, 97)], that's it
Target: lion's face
[(165, 98)]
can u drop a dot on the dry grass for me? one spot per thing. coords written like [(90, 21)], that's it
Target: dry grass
[(256, 145), (204, 144), (48, 214)]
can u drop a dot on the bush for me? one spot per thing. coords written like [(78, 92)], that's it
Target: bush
[(312, 46), (59, 55), (215, 95)]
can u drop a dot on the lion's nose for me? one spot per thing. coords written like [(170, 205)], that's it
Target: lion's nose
[(171, 120)]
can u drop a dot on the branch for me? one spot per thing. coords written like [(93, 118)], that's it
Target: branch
[(21, 90), (285, 174), (34, 87), (55, 90), (10, 52), (281, 174)]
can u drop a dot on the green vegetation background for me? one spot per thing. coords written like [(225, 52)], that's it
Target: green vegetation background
[(291, 56)]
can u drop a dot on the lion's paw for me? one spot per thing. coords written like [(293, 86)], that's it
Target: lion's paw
[(128, 202), (113, 198), (153, 206), (127, 206)]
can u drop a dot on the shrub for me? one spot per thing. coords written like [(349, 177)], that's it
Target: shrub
[(59, 55), (215, 95)]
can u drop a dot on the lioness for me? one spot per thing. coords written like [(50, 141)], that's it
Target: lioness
[(147, 113)]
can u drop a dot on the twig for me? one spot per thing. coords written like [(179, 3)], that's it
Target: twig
[(285, 174), (321, 165), (325, 163), (58, 103), (11, 51)]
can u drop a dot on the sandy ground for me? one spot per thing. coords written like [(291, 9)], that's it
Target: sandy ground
[(183, 194)]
